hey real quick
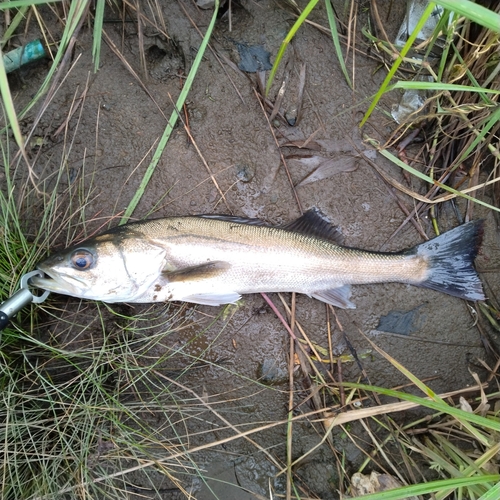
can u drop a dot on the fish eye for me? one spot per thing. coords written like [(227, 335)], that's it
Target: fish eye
[(82, 259)]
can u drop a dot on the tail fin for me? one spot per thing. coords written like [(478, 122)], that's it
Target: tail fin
[(451, 259)]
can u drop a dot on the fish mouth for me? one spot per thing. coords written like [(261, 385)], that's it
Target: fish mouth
[(55, 281)]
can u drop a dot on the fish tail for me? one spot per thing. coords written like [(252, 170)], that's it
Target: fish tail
[(451, 260)]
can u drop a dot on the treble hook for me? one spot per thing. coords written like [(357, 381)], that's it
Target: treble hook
[(20, 299)]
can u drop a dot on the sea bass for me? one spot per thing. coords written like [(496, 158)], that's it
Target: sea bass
[(213, 260)]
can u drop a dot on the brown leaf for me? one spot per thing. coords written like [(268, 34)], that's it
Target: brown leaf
[(325, 168), (300, 144)]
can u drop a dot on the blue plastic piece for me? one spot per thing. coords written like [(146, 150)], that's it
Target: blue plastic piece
[(28, 53)]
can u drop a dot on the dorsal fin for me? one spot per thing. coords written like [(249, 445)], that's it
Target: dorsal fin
[(237, 219), (309, 224), (313, 224)]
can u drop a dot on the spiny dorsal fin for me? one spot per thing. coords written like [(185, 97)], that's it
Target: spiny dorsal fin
[(239, 220), (313, 224), (309, 224), (196, 273)]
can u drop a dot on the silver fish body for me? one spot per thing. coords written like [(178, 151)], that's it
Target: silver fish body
[(214, 260)]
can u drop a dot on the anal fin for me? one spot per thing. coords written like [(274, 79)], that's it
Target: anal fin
[(212, 299), (338, 297)]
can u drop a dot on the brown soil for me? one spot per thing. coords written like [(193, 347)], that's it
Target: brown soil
[(114, 133)]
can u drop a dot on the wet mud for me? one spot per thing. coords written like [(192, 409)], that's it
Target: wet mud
[(231, 164)]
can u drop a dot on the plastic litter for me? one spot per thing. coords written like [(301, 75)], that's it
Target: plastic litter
[(414, 11), (413, 101), (31, 52)]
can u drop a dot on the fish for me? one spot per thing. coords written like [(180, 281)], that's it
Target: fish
[(214, 260)]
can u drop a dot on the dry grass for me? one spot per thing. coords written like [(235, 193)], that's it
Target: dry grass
[(84, 386)]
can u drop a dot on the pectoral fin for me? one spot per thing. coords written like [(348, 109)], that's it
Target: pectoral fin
[(338, 297), (197, 273), (186, 283)]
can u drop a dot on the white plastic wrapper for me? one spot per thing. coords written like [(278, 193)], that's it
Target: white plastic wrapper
[(414, 11)]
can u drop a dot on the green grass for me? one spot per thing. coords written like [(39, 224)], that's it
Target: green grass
[(75, 416), (86, 406), (442, 102), (469, 9), (461, 92), (84, 385), (461, 445), (77, 12), (81, 384)]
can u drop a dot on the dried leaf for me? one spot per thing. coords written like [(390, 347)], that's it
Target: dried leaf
[(300, 143), (465, 406), (332, 146), (484, 406), (326, 167), (374, 483), (335, 146)]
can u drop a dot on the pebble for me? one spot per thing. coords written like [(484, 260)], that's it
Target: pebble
[(245, 173), (205, 4)]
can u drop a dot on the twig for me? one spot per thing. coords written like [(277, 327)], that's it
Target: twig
[(289, 435), (200, 154)]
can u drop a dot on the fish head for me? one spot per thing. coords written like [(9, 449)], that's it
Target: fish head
[(110, 268)]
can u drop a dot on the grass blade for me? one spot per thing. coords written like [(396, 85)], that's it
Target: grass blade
[(473, 11), (9, 105), (437, 405), (430, 180), (492, 121), (77, 10), (439, 86), (97, 39), (24, 3), (430, 487), (492, 494), (309, 7), (336, 40), (13, 25)]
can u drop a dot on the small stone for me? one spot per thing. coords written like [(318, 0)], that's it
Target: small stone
[(269, 373), (291, 116), (245, 173)]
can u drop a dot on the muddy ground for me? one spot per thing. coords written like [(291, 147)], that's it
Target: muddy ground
[(113, 134)]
